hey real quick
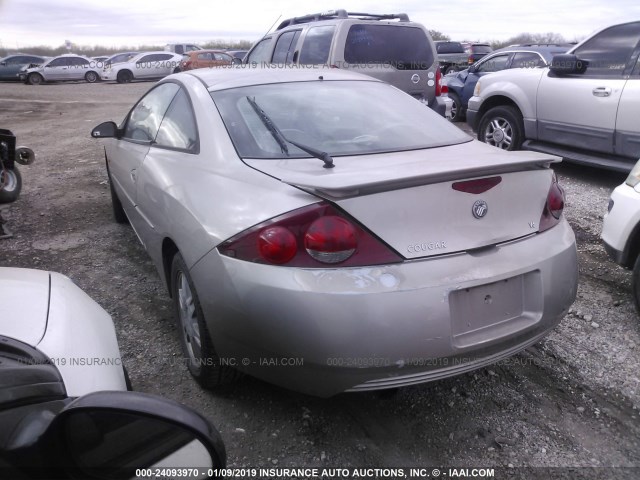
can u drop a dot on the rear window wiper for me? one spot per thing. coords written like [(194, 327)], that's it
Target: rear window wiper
[(282, 140)]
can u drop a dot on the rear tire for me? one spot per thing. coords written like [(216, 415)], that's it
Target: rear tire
[(202, 360), (12, 182), (450, 69), (91, 77), (456, 108), (635, 283), (502, 127), (124, 76)]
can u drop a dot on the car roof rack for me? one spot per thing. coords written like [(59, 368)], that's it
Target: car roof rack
[(331, 14)]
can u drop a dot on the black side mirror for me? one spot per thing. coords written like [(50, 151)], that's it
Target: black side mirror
[(116, 435), (567, 64), (236, 61), (105, 130), (473, 68)]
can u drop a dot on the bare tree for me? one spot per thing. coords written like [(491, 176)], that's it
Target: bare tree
[(436, 35)]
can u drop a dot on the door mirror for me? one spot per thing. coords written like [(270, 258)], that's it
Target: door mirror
[(105, 130), (473, 68), (113, 435), (567, 64), (236, 61)]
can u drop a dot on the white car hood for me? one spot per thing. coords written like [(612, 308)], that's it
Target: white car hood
[(24, 304)]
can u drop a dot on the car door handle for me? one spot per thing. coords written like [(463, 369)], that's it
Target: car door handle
[(134, 176), (601, 92)]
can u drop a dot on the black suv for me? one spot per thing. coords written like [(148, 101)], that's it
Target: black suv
[(388, 47)]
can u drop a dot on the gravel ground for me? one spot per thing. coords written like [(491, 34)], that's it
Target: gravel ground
[(570, 403)]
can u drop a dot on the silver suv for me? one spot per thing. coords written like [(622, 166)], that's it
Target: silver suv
[(388, 47)]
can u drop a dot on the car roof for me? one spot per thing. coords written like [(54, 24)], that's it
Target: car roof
[(342, 15), (545, 50), (247, 75), (153, 53)]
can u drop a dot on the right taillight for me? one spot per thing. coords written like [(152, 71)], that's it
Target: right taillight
[(317, 236), (553, 207)]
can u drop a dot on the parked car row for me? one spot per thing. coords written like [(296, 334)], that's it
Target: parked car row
[(122, 67)]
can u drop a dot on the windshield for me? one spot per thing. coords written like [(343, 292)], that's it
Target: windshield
[(336, 117)]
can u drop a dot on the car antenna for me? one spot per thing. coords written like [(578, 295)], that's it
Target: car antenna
[(273, 25)]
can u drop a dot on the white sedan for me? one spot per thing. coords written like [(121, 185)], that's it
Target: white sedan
[(621, 228), (144, 66), (325, 231)]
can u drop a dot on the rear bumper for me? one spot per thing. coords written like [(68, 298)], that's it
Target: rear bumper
[(442, 106), (323, 332)]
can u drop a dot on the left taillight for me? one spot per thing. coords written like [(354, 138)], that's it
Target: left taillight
[(440, 88), (317, 236), (553, 207)]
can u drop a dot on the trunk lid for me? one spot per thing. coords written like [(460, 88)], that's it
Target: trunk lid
[(408, 199)]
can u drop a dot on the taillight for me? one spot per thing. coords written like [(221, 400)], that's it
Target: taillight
[(478, 186), (316, 236), (470, 60), (553, 207), (439, 82)]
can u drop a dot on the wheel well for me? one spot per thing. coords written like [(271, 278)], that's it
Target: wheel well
[(169, 249), (632, 248), (125, 70), (496, 101)]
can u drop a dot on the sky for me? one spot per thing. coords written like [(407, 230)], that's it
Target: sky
[(117, 23)]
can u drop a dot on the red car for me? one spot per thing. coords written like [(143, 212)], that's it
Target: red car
[(206, 59)]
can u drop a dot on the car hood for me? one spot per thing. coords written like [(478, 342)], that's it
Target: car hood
[(24, 304)]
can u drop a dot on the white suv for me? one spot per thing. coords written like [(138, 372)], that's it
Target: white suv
[(621, 228), (583, 108)]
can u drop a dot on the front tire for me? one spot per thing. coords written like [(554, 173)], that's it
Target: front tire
[(124, 76), (450, 69), (635, 283), (35, 79), (12, 182), (202, 360), (502, 127), (91, 77)]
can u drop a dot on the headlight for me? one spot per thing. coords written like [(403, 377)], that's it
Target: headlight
[(634, 177)]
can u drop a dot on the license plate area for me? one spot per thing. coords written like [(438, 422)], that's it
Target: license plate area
[(486, 313)]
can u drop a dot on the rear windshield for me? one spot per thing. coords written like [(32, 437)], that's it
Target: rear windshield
[(481, 49), (449, 47), (337, 117), (406, 48)]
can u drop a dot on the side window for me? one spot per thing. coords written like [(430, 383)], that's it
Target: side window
[(316, 46), (178, 128), (494, 64), (58, 62), (609, 52), (163, 57), (79, 62), (191, 48), (285, 46), (145, 118), (260, 53), (179, 49), (223, 57), (527, 60), (16, 60), (145, 59), (204, 56)]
